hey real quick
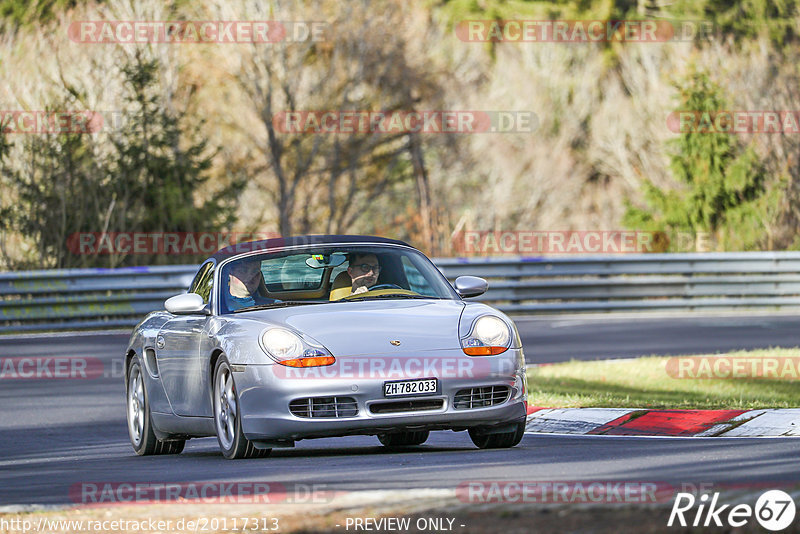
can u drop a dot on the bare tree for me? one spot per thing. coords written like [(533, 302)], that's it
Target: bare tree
[(324, 181)]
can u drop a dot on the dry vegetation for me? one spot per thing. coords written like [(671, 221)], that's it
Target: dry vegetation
[(602, 119)]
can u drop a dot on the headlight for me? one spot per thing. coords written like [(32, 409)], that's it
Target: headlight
[(490, 335), (287, 348)]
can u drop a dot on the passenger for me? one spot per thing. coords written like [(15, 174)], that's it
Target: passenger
[(244, 279)]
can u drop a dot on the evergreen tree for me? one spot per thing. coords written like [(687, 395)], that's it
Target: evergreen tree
[(149, 181), (723, 188), (157, 170)]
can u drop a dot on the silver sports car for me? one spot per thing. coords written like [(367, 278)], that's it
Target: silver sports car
[(309, 337)]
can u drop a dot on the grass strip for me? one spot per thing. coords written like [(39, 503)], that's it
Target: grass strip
[(647, 383)]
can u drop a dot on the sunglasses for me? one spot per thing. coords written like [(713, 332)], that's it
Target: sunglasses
[(366, 267)]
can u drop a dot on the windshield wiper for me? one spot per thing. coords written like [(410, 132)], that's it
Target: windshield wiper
[(390, 296), (281, 304)]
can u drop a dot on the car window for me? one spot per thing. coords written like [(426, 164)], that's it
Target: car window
[(416, 281), (290, 278), (199, 276), (205, 284), (290, 272)]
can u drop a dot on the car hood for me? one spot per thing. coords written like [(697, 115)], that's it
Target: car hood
[(367, 327)]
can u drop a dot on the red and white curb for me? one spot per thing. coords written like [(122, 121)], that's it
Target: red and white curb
[(643, 422)]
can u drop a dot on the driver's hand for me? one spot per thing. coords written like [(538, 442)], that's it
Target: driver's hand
[(360, 283)]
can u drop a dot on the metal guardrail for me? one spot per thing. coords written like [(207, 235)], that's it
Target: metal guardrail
[(73, 299), (101, 298), (766, 281)]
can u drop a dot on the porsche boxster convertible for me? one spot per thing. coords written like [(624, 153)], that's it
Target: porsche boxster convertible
[(318, 336)]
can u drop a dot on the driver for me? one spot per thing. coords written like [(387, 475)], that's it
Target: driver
[(244, 279), (364, 270)]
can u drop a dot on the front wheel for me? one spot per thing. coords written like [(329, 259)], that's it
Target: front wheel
[(404, 439), (502, 440), (228, 417), (140, 424)]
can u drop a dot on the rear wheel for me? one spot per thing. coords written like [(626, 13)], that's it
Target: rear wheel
[(502, 440), (404, 439), (228, 417), (140, 424)]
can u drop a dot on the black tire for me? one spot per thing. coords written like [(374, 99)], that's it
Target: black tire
[(404, 439), (228, 417), (503, 440), (140, 423)]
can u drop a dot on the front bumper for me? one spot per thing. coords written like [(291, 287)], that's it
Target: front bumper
[(265, 392)]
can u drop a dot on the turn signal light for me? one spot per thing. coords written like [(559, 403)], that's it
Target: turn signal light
[(316, 361), (484, 351)]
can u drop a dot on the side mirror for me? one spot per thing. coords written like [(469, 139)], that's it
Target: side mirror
[(186, 304), (471, 286)]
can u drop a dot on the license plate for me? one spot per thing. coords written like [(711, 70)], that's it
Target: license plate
[(425, 386)]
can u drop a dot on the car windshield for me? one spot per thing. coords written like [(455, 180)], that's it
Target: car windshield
[(323, 274)]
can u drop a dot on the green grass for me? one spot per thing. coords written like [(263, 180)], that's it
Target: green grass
[(644, 383)]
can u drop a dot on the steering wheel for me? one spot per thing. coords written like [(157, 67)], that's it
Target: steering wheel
[(385, 286)]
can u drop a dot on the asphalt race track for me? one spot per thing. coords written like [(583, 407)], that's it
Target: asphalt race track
[(55, 434)]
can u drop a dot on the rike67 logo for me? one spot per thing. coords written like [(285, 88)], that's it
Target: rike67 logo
[(774, 510)]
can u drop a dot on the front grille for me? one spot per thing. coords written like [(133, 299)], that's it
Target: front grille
[(406, 406), (480, 397), (330, 407)]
